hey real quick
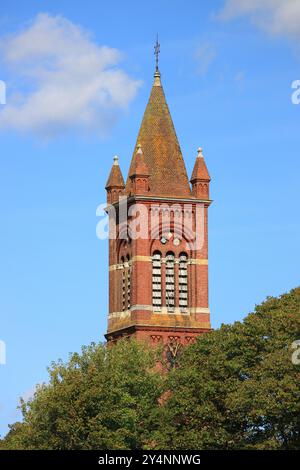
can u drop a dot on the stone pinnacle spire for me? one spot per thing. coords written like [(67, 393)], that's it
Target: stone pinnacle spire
[(115, 179), (200, 171)]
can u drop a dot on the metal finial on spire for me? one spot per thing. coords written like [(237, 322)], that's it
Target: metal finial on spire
[(156, 52)]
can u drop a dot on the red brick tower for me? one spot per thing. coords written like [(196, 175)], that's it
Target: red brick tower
[(158, 277)]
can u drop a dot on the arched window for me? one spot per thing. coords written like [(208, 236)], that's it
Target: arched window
[(170, 282), (183, 282), (156, 281)]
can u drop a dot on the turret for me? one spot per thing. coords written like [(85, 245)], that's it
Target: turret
[(200, 178), (140, 175), (115, 184)]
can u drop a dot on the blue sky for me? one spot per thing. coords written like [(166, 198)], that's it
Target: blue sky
[(227, 69)]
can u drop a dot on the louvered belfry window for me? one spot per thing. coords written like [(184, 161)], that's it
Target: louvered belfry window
[(123, 286), (156, 281), (170, 282), (126, 283), (128, 272), (183, 282)]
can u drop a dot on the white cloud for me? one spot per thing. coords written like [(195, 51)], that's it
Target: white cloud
[(62, 81), (277, 17)]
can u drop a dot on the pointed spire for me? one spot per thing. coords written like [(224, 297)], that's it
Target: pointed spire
[(115, 179), (200, 172), (160, 146)]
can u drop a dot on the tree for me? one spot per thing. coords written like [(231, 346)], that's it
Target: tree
[(101, 399), (236, 387)]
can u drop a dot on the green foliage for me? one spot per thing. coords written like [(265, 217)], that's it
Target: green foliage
[(101, 399), (235, 388)]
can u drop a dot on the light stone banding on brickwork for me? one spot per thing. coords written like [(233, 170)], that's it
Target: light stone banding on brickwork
[(124, 314), (201, 261), (141, 307), (162, 311)]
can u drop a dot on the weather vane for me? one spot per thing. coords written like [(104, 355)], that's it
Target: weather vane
[(156, 52)]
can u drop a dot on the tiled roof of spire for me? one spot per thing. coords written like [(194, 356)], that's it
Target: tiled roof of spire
[(115, 178), (161, 149)]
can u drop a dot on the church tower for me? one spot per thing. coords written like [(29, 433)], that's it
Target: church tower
[(158, 246)]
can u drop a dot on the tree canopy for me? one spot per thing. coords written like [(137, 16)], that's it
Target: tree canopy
[(234, 388), (102, 398), (237, 387)]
